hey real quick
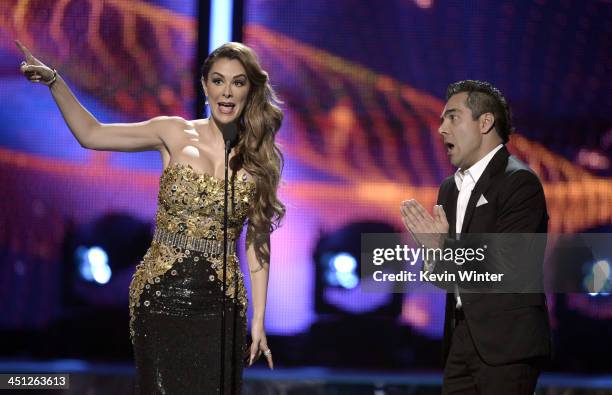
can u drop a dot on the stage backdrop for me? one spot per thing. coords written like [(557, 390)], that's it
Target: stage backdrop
[(126, 61), (362, 85)]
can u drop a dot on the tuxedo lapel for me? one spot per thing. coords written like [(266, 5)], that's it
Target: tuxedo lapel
[(497, 164), (479, 188)]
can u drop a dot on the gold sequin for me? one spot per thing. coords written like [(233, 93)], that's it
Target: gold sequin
[(178, 213), (233, 270)]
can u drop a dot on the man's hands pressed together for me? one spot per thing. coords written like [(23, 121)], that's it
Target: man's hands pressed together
[(425, 229)]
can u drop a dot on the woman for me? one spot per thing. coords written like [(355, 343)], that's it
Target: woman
[(176, 292)]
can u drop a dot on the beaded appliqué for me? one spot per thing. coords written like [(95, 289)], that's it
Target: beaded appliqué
[(191, 203), (157, 261), (233, 270)]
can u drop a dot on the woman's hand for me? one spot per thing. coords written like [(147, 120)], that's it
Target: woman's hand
[(34, 69), (260, 345)]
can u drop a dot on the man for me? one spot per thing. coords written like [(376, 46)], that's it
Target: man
[(494, 343)]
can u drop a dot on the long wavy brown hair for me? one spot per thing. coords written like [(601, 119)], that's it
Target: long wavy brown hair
[(256, 151)]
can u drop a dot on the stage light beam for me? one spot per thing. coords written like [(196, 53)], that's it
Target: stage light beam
[(221, 13), (93, 264)]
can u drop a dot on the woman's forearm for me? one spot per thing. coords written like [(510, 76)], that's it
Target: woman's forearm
[(258, 256), (80, 121), (259, 290)]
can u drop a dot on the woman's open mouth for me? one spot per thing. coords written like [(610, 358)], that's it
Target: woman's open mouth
[(226, 108)]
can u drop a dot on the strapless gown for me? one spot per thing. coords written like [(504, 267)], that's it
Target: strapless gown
[(176, 292)]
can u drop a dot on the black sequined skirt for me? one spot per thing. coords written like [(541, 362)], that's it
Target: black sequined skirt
[(176, 324)]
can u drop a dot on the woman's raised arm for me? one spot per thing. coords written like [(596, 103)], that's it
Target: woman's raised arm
[(89, 132)]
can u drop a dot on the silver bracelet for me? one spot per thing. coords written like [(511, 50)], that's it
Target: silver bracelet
[(52, 81), (260, 268)]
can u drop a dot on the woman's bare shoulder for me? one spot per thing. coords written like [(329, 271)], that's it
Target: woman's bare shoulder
[(175, 127), (172, 121)]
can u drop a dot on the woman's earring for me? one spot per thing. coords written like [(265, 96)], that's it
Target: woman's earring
[(205, 110)]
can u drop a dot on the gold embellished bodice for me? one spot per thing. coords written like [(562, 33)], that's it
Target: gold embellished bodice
[(191, 203)]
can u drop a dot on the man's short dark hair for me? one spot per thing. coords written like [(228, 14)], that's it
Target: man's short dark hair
[(482, 98)]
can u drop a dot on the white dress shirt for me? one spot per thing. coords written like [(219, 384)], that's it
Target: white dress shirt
[(465, 181)]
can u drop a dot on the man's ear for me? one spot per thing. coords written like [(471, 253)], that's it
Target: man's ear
[(486, 122)]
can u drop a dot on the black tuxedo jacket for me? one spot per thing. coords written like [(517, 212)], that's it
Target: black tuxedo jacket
[(505, 327)]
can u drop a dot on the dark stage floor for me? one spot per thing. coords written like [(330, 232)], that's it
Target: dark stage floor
[(115, 379)]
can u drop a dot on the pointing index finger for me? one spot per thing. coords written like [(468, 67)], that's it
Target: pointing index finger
[(25, 50)]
